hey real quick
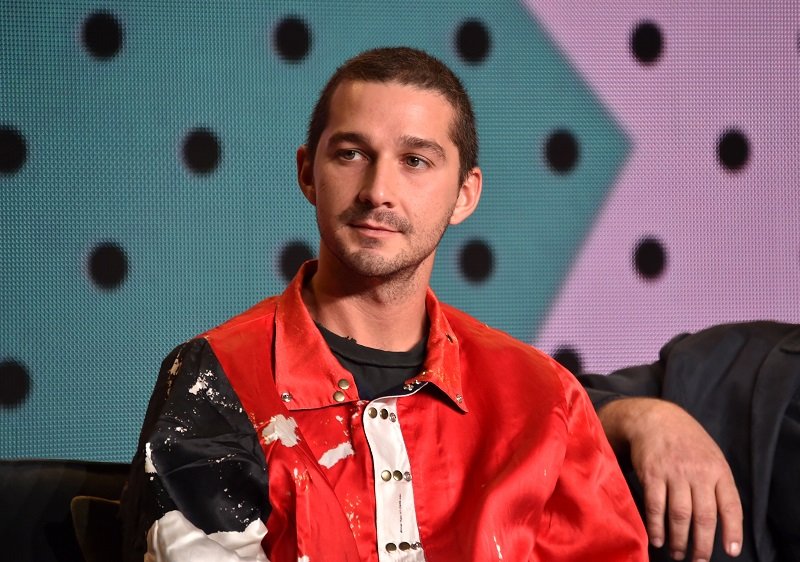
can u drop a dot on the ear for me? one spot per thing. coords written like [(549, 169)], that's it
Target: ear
[(305, 174), (468, 196)]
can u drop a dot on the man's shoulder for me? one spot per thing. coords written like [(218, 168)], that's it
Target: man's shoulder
[(239, 330), (258, 314), (495, 362), (751, 339), (479, 340)]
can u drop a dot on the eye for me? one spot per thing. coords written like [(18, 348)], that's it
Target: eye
[(415, 162), (349, 154)]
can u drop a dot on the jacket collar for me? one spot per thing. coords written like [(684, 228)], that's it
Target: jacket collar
[(307, 374)]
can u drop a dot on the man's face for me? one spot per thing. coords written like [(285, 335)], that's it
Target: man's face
[(384, 178)]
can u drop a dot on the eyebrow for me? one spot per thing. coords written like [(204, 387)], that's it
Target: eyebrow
[(347, 136), (423, 144), (407, 141)]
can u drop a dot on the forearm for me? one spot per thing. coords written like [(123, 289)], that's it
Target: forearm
[(628, 419)]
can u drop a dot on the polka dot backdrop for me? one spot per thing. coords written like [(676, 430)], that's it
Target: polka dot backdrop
[(147, 187), (702, 226)]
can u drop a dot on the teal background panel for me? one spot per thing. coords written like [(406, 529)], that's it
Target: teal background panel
[(104, 140)]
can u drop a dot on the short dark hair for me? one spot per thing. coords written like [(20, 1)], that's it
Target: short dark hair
[(410, 67)]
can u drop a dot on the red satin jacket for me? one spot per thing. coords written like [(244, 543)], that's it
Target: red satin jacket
[(493, 452)]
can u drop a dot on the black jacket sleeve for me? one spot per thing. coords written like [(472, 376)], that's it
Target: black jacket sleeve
[(198, 454), (641, 380)]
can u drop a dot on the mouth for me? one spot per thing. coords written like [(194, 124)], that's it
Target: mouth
[(375, 222), (373, 228)]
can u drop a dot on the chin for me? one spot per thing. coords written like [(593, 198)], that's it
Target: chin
[(369, 264), (376, 260)]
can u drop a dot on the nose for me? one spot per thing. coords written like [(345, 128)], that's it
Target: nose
[(379, 184)]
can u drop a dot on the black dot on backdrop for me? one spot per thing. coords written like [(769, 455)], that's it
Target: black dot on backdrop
[(733, 150), (15, 384), (561, 152), (570, 359), (201, 151), (102, 35), (108, 266), (473, 41), (292, 257), (12, 150), (650, 258), (647, 42), (476, 261), (292, 39)]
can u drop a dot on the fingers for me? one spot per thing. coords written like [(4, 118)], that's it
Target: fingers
[(704, 522), (697, 507), (680, 518), (730, 514), (655, 505)]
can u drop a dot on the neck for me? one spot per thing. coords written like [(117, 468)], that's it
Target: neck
[(382, 313)]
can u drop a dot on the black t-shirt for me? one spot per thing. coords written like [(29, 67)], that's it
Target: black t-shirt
[(375, 371)]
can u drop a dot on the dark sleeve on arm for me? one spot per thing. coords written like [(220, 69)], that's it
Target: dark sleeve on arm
[(640, 381), (198, 453)]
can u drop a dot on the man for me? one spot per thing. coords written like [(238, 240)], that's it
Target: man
[(741, 382), (355, 417)]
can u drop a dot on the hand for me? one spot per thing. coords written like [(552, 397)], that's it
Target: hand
[(683, 472)]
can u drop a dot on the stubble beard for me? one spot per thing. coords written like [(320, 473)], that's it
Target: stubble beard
[(366, 262)]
